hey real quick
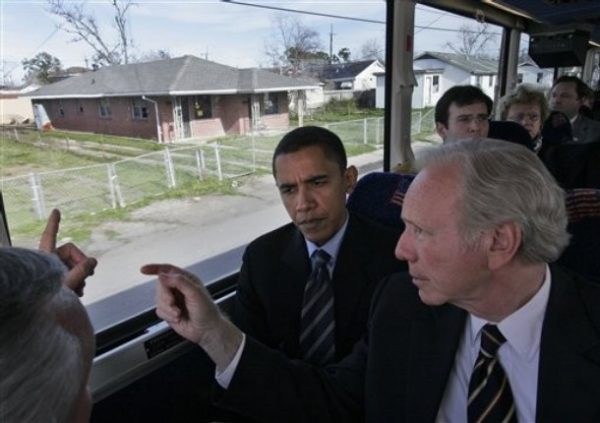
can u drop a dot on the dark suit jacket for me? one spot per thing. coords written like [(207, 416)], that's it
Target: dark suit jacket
[(399, 371), (276, 267), (585, 130)]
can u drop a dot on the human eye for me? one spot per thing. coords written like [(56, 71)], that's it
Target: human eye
[(463, 119), (322, 180), (286, 189)]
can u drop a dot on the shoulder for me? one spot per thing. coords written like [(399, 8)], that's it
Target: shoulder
[(397, 295), (275, 239), (569, 287)]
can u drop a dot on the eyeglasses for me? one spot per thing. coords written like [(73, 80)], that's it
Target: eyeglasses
[(519, 117)]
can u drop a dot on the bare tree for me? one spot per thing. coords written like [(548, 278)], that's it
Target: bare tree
[(292, 44), (472, 41), (372, 49), (85, 28)]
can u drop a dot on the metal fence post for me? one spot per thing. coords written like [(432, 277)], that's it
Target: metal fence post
[(38, 196), (199, 163), (365, 137), (16, 134), (115, 188), (218, 159), (170, 170), (253, 153)]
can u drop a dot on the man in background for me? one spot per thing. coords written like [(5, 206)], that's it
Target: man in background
[(567, 96)]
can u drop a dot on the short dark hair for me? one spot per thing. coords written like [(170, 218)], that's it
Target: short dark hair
[(581, 87), (462, 95), (308, 136)]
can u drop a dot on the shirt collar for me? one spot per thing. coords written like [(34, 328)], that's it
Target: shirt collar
[(332, 246), (522, 329)]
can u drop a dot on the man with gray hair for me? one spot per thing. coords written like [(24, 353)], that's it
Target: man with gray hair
[(46, 341), (481, 328)]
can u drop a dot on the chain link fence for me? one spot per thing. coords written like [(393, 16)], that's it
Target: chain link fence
[(119, 183)]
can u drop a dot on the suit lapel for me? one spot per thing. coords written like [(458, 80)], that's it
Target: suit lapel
[(293, 273), (433, 342), (351, 274), (569, 367)]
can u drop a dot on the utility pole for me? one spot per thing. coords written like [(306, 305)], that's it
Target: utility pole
[(331, 34)]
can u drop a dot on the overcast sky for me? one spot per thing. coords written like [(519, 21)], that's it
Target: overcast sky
[(232, 34)]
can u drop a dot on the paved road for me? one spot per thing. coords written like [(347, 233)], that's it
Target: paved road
[(186, 231)]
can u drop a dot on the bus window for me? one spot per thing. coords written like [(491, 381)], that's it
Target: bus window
[(159, 150)]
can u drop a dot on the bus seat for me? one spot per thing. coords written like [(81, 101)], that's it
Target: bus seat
[(510, 131), (378, 196), (583, 253)]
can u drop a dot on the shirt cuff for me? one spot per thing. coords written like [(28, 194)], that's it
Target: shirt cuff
[(224, 377)]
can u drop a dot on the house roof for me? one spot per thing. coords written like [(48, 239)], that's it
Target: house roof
[(472, 65), (184, 75), (339, 71)]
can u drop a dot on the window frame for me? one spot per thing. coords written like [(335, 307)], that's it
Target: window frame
[(104, 108)]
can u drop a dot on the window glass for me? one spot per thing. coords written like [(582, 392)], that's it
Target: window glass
[(104, 108), (202, 107), (140, 111), (270, 104), (195, 180)]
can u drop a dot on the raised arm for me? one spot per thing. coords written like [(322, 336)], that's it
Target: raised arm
[(80, 265), (184, 303)]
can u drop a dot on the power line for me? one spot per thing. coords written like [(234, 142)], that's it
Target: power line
[(350, 18), (305, 12)]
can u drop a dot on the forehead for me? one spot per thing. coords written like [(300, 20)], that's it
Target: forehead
[(565, 87), (434, 194), (469, 109), (518, 107), (309, 160)]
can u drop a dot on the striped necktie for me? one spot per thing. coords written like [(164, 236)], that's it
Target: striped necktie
[(317, 336), (490, 396)]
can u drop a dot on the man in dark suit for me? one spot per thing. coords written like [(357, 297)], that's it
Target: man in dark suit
[(311, 173), (567, 96), (482, 222)]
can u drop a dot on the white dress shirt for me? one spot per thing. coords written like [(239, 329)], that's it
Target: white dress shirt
[(519, 357)]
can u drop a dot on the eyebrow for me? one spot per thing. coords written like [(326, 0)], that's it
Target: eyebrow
[(304, 181)]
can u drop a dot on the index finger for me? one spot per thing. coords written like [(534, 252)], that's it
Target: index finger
[(48, 238)]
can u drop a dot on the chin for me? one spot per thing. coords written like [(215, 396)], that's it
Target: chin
[(430, 299)]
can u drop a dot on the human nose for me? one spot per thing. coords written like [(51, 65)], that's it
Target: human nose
[(404, 251), (475, 125), (304, 200)]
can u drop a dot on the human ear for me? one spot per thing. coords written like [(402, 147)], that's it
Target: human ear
[(350, 178), (505, 242)]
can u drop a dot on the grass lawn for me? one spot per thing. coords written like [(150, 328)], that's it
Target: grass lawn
[(75, 178)]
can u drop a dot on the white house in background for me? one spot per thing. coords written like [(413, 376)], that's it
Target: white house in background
[(529, 73), (435, 72), (355, 76), (452, 69), (15, 105)]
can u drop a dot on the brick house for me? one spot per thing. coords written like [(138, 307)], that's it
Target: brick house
[(193, 98)]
